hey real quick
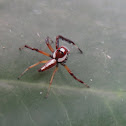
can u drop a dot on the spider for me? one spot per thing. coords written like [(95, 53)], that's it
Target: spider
[(58, 56)]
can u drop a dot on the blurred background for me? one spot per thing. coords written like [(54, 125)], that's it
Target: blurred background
[(98, 27)]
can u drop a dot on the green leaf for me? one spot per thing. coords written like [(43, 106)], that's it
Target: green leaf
[(98, 28), (23, 103)]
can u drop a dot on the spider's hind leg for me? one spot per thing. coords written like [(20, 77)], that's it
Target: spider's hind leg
[(45, 61), (69, 71), (51, 81)]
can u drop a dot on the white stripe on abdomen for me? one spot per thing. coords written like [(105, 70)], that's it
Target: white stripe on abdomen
[(52, 61)]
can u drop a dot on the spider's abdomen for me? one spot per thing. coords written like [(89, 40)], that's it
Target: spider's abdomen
[(48, 65), (61, 54)]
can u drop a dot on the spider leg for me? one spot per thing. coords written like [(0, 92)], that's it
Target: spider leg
[(48, 44), (37, 50), (67, 40), (45, 61), (66, 67), (51, 81)]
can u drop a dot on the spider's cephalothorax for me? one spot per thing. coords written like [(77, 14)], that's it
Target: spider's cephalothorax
[(59, 56)]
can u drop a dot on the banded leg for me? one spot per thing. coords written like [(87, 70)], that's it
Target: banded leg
[(66, 67), (51, 81), (67, 40), (48, 44), (45, 61), (37, 50)]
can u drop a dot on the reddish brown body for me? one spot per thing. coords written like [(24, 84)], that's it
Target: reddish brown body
[(59, 55), (51, 63)]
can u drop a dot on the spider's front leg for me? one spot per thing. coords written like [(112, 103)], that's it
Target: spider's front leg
[(37, 50), (49, 45), (67, 40), (66, 67)]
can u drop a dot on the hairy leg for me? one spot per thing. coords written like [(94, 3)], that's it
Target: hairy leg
[(49, 45), (51, 81), (66, 67), (67, 40), (45, 61), (37, 50)]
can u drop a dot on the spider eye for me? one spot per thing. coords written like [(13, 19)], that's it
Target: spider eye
[(62, 52)]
